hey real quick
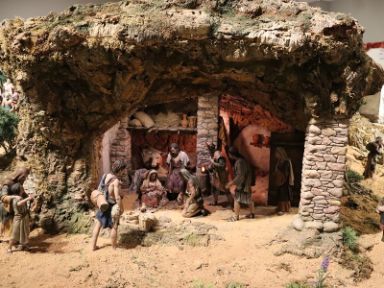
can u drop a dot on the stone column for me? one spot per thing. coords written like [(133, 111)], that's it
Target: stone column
[(323, 175), (121, 147), (207, 126)]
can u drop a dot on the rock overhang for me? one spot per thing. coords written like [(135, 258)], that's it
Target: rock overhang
[(286, 51)]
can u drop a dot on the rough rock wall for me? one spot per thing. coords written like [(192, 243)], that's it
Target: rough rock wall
[(121, 147), (82, 70)]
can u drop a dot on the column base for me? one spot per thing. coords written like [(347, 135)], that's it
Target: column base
[(327, 226)]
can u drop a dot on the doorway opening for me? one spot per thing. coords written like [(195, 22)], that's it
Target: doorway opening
[(143, 140)]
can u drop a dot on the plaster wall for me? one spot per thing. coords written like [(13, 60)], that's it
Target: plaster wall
[(373, 107), (381, 108), (259, 157), (377, 54)]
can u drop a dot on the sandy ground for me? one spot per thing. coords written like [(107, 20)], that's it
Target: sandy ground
[(245, 255), (376, 255)]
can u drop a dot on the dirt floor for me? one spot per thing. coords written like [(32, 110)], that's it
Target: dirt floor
[(243, 253)]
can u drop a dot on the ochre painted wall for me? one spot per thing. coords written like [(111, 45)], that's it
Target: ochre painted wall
[(259, 157)]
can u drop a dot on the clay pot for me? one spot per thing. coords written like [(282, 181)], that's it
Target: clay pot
[(98, 199), (7, 203), (267, 141), (192, 121), (184, 121)]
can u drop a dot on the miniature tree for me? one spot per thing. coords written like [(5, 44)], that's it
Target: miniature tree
[(8, 126), (2, 78)]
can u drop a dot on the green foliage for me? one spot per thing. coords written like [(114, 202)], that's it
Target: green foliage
[(235, 285), (321, 279), (2, 79), (359, 263), (353, 176), (79, 223), (194, 240), (350, 238), (200, 284), (8, 125), (322, 274), (297, 284)]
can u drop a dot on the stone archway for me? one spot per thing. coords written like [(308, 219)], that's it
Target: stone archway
[(81, 70)]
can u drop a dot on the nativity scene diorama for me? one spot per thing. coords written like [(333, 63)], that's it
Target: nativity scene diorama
[(184, 139)]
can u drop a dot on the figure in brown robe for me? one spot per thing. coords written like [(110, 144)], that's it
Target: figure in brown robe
[(176, 161), (240, 186), (194, 205), (6, 213), (375, 149), (20, 227), (284, 181), (219, 178)]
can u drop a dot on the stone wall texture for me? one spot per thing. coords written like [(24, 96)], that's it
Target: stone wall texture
[(323, 174), (121, 147), (207, 126)]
